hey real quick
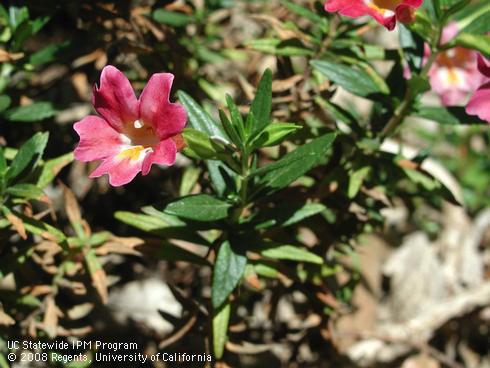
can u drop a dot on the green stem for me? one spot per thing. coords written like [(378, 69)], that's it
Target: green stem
[(245, 172), (402, 110)]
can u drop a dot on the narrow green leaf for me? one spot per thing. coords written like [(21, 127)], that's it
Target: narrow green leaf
[(356, 179), (199, 119), (221, 319), (200, 207), (25, 190), (451, 115), (287, 215), (228, 271), (198, 145), (313, 17), (162, 225), (28, 155), (42, 229), (231, 129), (413, 48), (52, 167), (274, 46), (222, 177), (174, 253), (295, 164), (274, 134), (473, 18), (49, 53), (4, 103), (349, 77), (171, 18), (261, 105), (189, 180), (36, 111), (291, 253)]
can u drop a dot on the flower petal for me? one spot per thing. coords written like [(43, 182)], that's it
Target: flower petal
[(115, 99), (120, 170), (480, 103), (98, 139), (168, 119), (163, 154), (449, 32), (384, 12), (484, 66)]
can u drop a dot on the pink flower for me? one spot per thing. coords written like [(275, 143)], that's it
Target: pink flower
[(454, 75), (130, 134), (480, 102), (385, 12)]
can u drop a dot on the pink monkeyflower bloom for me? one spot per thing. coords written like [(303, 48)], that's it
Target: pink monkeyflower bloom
[(385, 12), (454, 75), (130, 134), (480, 102)]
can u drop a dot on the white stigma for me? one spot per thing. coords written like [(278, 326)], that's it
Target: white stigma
[(138, 124)]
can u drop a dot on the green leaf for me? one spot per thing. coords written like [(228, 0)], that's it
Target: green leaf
[(231, 129), (286, 215), (228, 271), (274, 46), (356, 179), (52, 167), (221, 319), (420, 178), (350, 78), (451, 115), (3, 164), (418, 85), (290, 253), (174, 253), (474, 18), (313, 17), (174, 19), (147, 223), (413, 48), (450, 10), (28, 155), (189, 180), (200, 119), (5, 102), (41, 228), (480, 43), (200, 207), (39, 23), (36, 111), (295, 164), (437, 8), (261, 105), (28, 191), (198, 145), (222, 177), (162, 225), (49, 53), (274, 134)]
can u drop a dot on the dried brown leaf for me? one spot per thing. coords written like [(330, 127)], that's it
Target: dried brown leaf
[(51, 315), (71, 206), (283, 85), (80, 310), (18, 225), (121, 245), (36, 290), (6, 56), (99, 280), (5, 319)]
